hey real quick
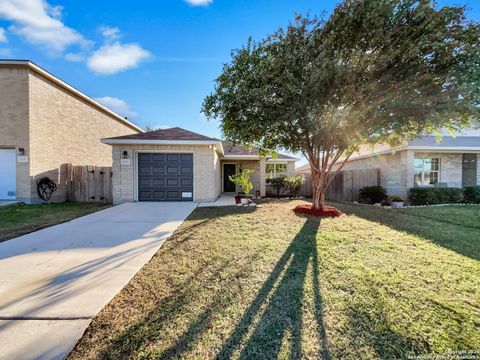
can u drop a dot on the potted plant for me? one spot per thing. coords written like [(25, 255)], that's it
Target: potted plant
[(242, 180), (397, 201)]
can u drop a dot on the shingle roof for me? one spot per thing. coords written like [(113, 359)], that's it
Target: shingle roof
[(232, 149), (447, 141), (179, 134), (175, 133)]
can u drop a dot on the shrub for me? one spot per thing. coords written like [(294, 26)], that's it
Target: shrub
[(275, 184), (293, 184), (434, 196), (372, 194), (471, 194), (396, 198), (243, 180)]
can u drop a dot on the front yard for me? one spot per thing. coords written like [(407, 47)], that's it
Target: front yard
[(265, 283), (16, 220)]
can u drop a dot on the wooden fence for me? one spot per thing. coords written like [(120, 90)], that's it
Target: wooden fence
[(346, 185), (87, 183)]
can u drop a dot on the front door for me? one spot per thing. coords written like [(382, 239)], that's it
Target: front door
[(228, 170)]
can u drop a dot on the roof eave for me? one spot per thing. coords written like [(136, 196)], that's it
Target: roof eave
[(159, 142)]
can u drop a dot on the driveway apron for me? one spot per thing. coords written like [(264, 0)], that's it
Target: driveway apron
[(54, 281)]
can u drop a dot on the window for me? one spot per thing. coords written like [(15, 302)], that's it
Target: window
[(276, 170), (427, 171)]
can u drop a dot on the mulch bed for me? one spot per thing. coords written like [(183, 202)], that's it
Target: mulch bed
[(324, 211)]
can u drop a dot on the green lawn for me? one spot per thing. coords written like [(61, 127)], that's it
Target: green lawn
[(16, 220), (265, 283)]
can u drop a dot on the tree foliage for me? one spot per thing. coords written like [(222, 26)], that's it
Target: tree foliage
[(242, 180), (374, 71)]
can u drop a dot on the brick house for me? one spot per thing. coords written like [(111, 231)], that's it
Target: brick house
[(45, 123), (453, 161), (179, 165)]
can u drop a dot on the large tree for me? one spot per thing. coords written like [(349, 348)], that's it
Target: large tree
[(375, 71)]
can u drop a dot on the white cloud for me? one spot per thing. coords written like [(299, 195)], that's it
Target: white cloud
[(117, 105), (3, 36), (199, 2), (75, 57), (110, 33), (114, 58), (40, 23)]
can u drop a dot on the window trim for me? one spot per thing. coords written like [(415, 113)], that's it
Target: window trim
[(423, 170), (275, 174)]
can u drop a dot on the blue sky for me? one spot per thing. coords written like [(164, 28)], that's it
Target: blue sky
[(153, 61)]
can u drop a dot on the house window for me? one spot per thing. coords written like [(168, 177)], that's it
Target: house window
[(427, 171), (277, 170)]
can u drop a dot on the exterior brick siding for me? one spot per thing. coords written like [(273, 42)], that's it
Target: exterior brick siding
[(54, 126), (205, 174)]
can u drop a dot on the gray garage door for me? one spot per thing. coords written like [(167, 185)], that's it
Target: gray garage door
[(165, 177)]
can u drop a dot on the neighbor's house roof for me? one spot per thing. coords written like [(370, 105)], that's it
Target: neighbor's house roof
[(427, 143), (70, 89), (179, 136), (458, 142), (462, 144)]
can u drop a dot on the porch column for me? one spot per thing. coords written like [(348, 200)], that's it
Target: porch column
[(262, 177), (406, 160)]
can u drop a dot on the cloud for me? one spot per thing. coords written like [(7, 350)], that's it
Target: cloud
[(110, 33), (3, 36), (75, 57), (40, 24), (117, 105), (199, 2), (114, 58)]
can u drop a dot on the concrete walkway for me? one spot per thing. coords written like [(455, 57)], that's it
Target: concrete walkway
[(53, 281)]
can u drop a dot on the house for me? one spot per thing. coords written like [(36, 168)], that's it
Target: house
[(45, 123), (449, 161), (179, 165)]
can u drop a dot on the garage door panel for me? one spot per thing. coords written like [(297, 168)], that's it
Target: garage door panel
[(8, 174), (169, 177)]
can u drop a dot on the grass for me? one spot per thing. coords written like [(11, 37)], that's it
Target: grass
[(16, 220), (264, 283)]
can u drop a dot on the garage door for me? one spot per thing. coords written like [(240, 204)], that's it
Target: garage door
[(7, 174), (165, 177)]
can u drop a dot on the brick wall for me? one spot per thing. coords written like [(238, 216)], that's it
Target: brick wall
[(66, 129), (14, 122), (205, 177)]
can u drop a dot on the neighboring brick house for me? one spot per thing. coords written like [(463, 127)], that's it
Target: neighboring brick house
[(45, 123), (179, 165), (454, 161)]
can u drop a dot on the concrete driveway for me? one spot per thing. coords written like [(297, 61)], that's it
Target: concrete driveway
[(53, 281)]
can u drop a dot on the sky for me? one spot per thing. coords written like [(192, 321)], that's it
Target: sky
[(152, 61)]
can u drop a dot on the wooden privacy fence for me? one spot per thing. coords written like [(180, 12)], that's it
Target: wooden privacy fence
[(87, 183), (346, 185)]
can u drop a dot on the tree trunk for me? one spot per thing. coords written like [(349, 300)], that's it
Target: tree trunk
[(319, 180)]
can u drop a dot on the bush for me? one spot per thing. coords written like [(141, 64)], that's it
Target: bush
[(471, 194), (275, 186), (293, 184), (372, 194), (434, 196)]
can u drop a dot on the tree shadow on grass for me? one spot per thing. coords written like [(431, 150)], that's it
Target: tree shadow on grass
[(280, 312), (462, 240), (275, 315)]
